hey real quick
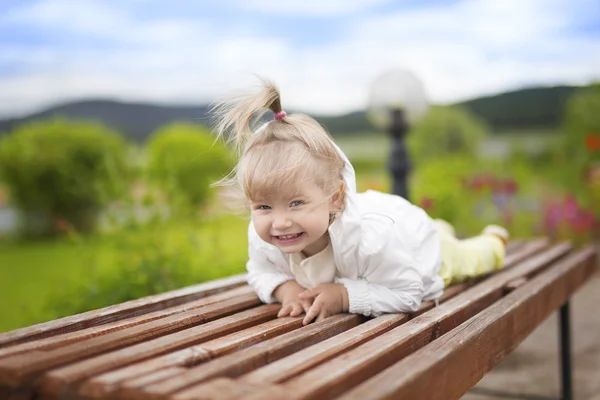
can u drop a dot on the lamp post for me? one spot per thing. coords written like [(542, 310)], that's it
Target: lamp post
[(399, 161), (397, 99)]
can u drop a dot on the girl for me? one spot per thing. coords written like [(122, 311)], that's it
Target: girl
[(316, 245)]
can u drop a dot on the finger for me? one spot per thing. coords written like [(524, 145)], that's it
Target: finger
[(312, 313), (309, 294), (285, 310), (306, 305), (322, 315), (296, 310)]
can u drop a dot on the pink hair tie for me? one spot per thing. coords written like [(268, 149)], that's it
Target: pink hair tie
[(280, 114)]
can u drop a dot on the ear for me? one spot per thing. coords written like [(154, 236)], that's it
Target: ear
[(337, 202)]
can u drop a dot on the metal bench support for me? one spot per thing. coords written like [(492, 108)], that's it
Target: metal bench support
[(566, 369), (565, 351)]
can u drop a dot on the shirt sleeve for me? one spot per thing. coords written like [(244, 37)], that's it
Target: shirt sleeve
[(392, 262), (263, 274)]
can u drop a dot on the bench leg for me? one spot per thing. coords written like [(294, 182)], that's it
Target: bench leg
[(564, 333), (565, 352)]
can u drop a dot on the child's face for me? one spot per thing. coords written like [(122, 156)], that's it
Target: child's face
[(294, 221)]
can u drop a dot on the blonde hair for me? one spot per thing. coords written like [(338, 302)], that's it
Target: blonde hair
[(282, 153)]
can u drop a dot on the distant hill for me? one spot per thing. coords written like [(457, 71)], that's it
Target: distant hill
[(521, 109), (135, 120)]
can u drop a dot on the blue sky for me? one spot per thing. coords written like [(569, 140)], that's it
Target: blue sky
[(322, 53)]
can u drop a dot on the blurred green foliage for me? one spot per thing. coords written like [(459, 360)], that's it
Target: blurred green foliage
[(444, 131), (59, 170), (148, 256), (574, 155), (156, 244), (582, 119), (440, 180), (151, 258), (183, 160)]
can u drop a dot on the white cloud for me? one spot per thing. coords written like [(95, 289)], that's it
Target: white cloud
[(313, 8), (460, 51)]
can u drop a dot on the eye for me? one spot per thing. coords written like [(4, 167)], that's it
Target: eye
[(262, 207), (296, 203)]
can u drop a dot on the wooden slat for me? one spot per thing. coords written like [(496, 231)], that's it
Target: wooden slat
[(132, 387), (21, 394), (120, 311), (235, 364), (515, 283), (514, 245), (303, 360), (63, 379), (23, 368), (147, 372), (104, 384), (364, 361), (222, 388), (57, 341), (312, 356), (448, 294), (481, 342), (369, 328)]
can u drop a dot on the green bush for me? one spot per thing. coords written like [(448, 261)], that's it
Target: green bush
[(446, 131), (153, 257), (581, 118), (441, 182), (471, 194), (143, 265), (574, 159), (61, 172), (184, 159)]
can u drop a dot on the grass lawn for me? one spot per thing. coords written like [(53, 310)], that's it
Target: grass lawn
[(30, 273)]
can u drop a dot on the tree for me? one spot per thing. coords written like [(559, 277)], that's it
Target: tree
[(184, 159), (446, 131), (62, 172)]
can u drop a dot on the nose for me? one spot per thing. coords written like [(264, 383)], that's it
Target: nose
[(281, 221)]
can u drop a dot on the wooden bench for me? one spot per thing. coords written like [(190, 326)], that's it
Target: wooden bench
[(217, 341)]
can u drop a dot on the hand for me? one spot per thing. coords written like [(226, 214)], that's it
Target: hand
[(329, 299), (291, 304)]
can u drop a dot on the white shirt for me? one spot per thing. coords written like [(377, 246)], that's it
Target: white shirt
[(385, 249), (315, 270)]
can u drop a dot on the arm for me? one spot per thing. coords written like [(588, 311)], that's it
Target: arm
[(393, 264), (271, 283), (263, 275)]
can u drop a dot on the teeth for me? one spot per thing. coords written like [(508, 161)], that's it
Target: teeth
[(287, 237)]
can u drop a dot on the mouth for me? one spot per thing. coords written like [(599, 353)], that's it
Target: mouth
[(288, 238)]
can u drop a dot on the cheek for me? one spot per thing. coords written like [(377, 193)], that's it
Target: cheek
[(320, 221), (261, 226)]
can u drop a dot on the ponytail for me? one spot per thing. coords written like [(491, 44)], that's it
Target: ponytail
[(234, 118), (285, 151)]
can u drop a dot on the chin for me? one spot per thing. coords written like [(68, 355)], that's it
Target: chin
[(291, 250)]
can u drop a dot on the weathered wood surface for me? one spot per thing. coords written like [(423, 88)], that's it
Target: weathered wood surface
[(479, 343), (216, 341), (120, 311)]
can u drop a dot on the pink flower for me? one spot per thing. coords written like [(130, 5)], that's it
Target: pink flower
[(426, 203)]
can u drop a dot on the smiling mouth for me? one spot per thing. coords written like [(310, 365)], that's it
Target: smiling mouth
[(288, 237)]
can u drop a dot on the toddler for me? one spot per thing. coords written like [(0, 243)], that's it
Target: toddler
[(316, 245)]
